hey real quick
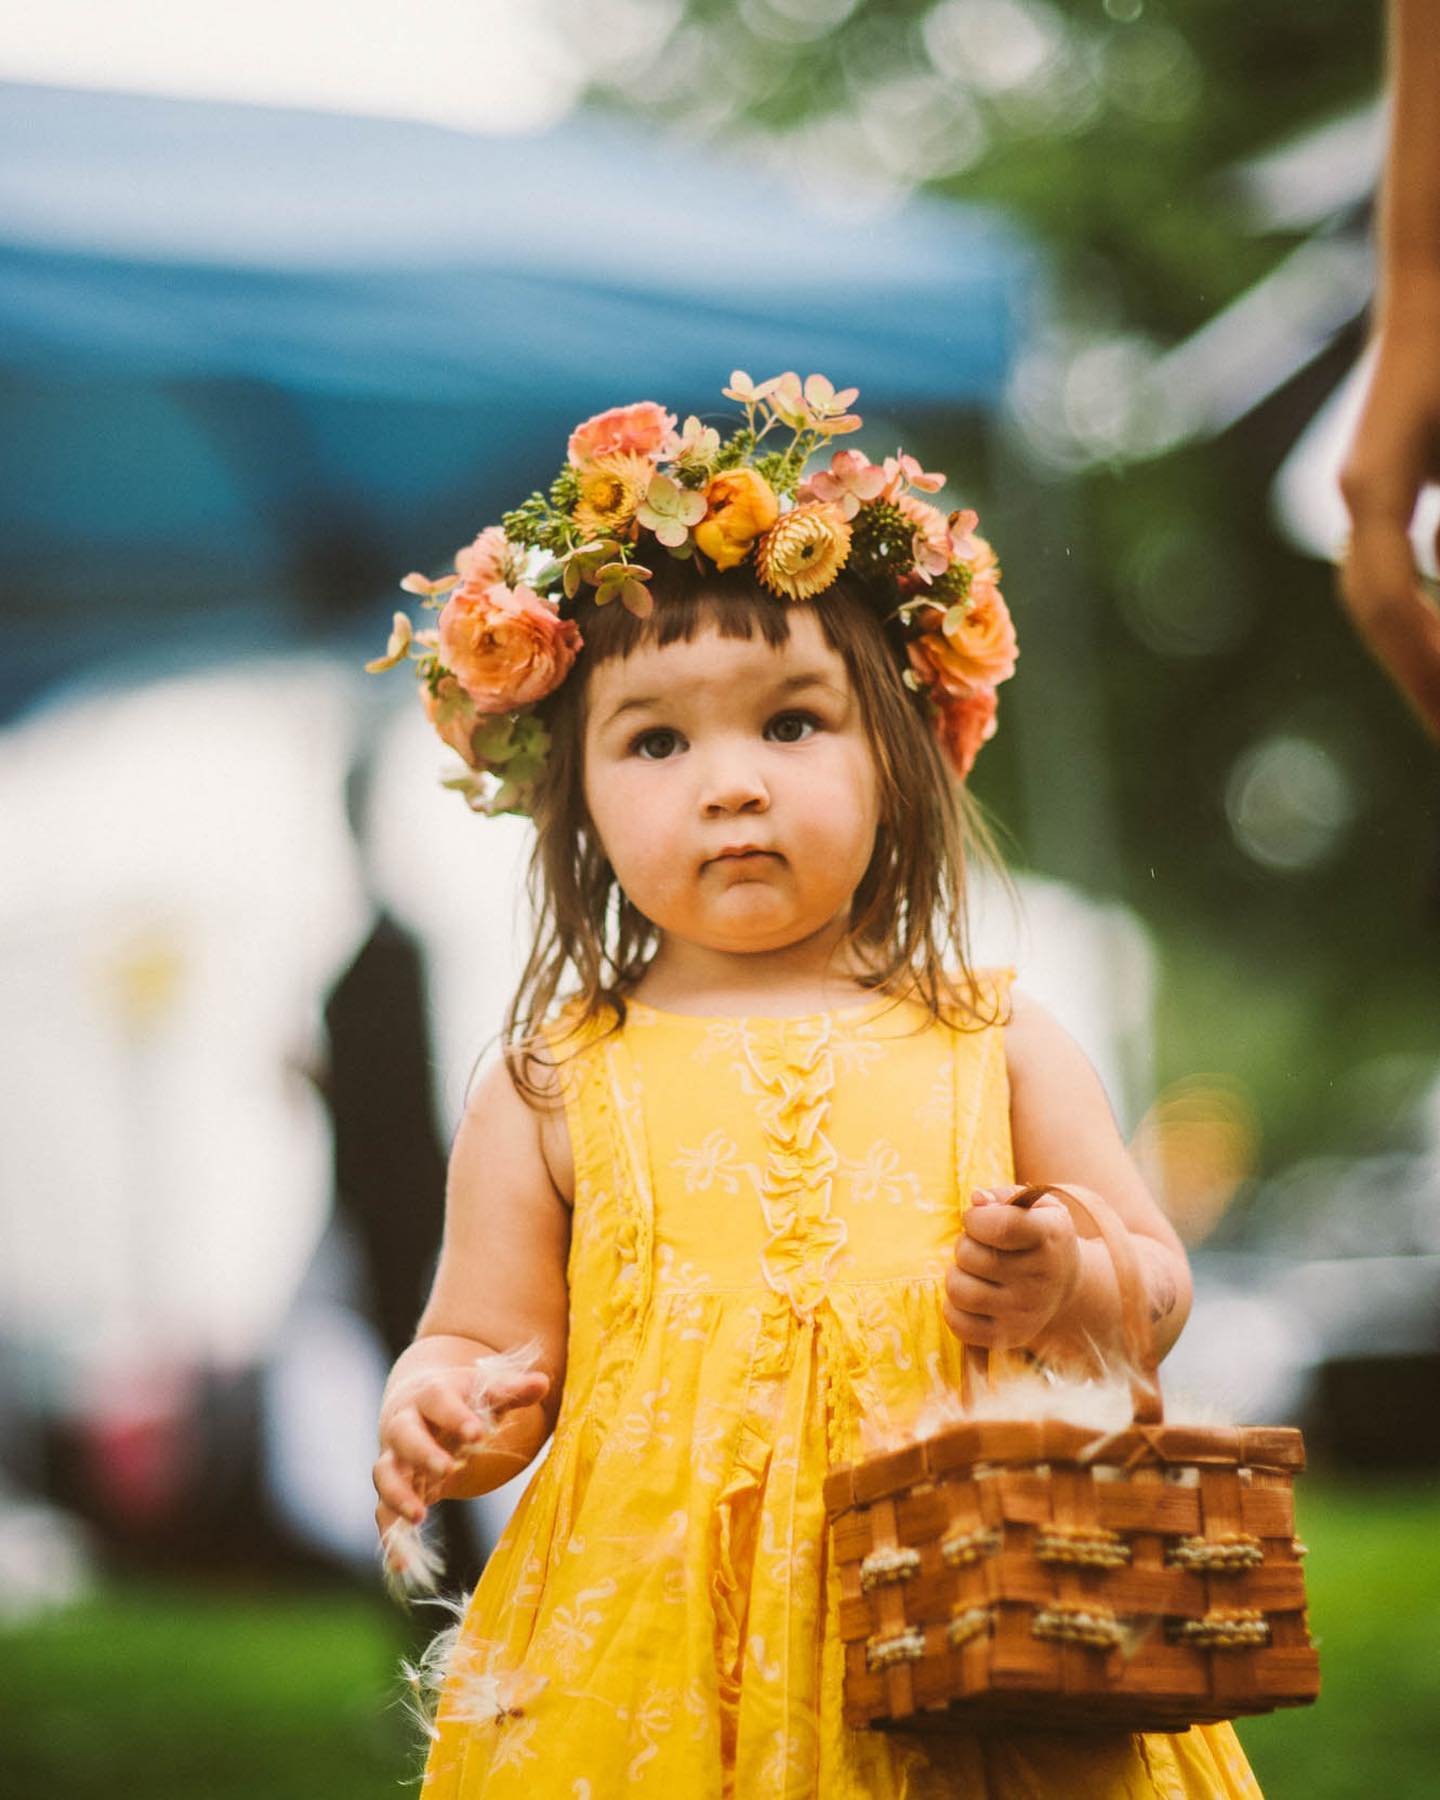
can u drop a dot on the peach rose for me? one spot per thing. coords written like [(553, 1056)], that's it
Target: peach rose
[(505, 646), (739, 506), (487, 560), (963, 723), (645, 429), (974, 647)]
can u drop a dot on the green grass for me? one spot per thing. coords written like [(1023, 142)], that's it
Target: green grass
[(1373, 1576), (213, 1695), (208, 1695)]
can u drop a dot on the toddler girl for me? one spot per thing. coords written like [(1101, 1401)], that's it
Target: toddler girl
[(739, 1179)]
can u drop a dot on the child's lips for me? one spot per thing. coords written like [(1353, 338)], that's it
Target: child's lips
[(743, 856)]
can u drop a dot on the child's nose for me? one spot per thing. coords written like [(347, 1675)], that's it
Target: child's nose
[(733, 784)]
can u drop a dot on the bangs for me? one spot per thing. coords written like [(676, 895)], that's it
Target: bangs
[(740, 610)]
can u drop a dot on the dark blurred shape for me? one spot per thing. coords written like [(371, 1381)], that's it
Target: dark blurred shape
[(169, 1477), (278, 458), (1378, 1412), (389, 1168), (389, 1164)]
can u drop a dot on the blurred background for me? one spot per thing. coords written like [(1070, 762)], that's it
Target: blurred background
[(295, 298)]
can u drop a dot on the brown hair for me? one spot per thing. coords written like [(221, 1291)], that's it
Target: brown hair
[(909, 913)]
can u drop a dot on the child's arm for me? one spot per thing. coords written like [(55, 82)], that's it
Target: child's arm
[(500, 1285), (1026, 1277), (1396, 448)]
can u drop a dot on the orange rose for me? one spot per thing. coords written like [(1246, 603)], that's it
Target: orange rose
[(645, 428), (974, 647), (963, 724), (739, 506), (505, 646)]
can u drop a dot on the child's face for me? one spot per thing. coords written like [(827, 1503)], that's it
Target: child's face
[(702, 750)]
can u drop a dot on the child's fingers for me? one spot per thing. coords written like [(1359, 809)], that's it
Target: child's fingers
[(970, 1297), (996, 1196), (981, 1260), (1003, 1227), (969, 1294), (408, 1436), (506, 1392), (396, 1490), (972, 1327), (441, 1406), (386, 1516)]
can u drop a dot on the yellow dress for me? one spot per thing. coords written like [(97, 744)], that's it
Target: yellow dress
[(764, 1209)]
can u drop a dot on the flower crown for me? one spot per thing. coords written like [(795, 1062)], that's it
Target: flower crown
[(503, 642)]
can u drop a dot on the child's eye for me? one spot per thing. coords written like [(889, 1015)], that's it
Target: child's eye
[(792, 727), (656, 745)]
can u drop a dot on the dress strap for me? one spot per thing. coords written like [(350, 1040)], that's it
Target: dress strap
[(982, 1088), (613, 1197), (634, 1199)]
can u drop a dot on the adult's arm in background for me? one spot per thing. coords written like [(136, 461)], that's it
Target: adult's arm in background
[(1396, 449)]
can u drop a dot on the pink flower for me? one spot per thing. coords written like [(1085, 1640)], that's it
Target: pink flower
[(427, 589), (850, 482), (487, 560), (505, 646), (669, 510), (902, 471), (402, 635), (746, 391), (644, 429), (963, 723), (813, 406), (962, 525), (932, 535), (787, 401), (977, 556), (827, 407)]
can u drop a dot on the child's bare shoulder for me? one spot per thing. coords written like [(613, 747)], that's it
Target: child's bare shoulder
[(1033, 1035), (1047, 1067), (517, 1107), (501, 1275)]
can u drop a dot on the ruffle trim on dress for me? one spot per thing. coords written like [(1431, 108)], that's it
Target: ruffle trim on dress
[(793, 1069)]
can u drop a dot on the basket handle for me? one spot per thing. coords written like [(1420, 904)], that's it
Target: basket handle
[(1136, 1331)]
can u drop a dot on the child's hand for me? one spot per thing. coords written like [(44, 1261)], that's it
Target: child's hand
[(429, 1426), (1015, 1269)]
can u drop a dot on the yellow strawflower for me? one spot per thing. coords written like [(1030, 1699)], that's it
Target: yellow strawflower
[(804, 551)]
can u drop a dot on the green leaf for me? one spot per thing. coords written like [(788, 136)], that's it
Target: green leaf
[(493, 739)]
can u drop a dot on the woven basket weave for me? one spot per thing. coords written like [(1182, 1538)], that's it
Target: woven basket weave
[(1064, 1576)]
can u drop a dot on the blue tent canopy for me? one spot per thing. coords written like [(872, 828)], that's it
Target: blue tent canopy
[(259, 355)]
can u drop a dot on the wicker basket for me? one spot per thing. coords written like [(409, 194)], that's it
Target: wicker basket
[(1061, 1576)]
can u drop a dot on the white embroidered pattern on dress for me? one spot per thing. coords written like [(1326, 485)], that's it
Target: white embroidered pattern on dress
[(714, 1162)]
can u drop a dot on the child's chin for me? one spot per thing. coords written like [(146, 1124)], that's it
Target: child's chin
[(759, 925)]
